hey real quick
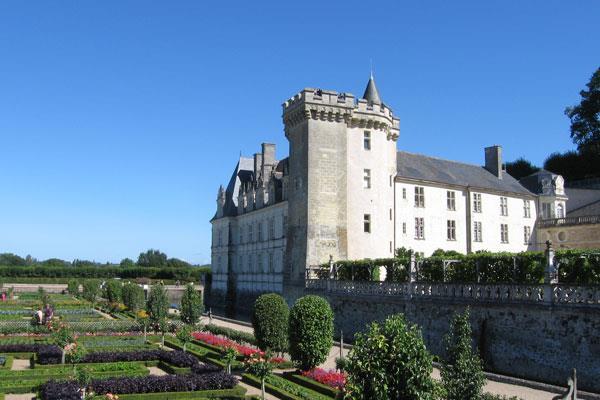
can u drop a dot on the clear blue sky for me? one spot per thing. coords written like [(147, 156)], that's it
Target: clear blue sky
[(119, 119)]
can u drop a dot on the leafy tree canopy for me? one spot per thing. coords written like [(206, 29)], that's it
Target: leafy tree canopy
[(152, 258), (585, 117), (191, 305), (55, 262), (573, 165), (520, 168), (157, 305), (127, 263), (177, 263), (12, 260)]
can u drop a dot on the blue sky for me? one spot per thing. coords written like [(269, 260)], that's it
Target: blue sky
[(119, 119)]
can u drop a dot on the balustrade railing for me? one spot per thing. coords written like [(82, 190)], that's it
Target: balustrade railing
[(583, 220), (473, 292)]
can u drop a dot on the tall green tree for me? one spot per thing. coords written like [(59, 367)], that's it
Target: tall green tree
[(91, 290), (127, 263), (152, 258), (390, 361), (310, 331), (191, 305), (462, 370), (270, 321), (157, 305), (585, 117), (520, 168), (113, 290), (133, 296)]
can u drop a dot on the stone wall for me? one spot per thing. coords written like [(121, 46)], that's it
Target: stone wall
[(537, 342)]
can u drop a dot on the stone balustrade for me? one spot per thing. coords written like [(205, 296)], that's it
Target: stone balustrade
[(471, 292)]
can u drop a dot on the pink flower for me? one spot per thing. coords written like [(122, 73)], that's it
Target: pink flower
[(330, 378)]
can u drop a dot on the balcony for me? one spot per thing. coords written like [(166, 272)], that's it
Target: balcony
[(569, 221)]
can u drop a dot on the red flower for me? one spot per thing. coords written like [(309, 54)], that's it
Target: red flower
[(331, 378)]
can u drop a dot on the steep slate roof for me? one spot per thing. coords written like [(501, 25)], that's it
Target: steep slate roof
[(244, 167), (371, 93), (533, 182), (417, 166)]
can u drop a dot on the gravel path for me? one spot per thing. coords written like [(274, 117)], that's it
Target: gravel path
[(19, 364)]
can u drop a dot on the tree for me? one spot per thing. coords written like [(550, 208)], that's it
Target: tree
[(572, 165), (133, 296), (261, 367), (191, 305), (62, 337), (229, 357), (113, 290), (520, 168), (73, 287), (585, 117), (310, 331), (91, 289), (12, 260), (127, 263), (157, 305), (270, 321), (462, 370), (55, 262), (152, 258), (177, 263), (390, 361), (184, 335)]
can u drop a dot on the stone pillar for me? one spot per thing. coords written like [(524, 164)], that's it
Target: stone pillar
[(550, 273)]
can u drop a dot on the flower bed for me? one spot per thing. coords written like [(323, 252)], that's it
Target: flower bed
[(55, 390), (334, 379), (176, 358), (223, 343)]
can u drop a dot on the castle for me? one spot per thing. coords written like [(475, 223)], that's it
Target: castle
[(346, 192)]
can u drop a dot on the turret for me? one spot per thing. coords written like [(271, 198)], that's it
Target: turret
[(220, 201)]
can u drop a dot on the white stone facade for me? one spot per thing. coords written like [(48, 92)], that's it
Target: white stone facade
[(346, 192)]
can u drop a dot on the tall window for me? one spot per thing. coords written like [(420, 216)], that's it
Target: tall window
[(271, 266), (390, 214), (451, 200), (477, 232), (477, 202), (526, 209), (503, 206), (404, 228), (419, 196), (404, 193), (260, 232), (419, 228), (504, 233), (272, 228), (546, 210), (367, 178), (260, 262), (367, 223), (367, 140), (560, 211), (526, 234), (451, 230)]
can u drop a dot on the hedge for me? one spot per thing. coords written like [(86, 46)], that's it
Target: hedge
[(35, 271), (575, 267), (237, 392)]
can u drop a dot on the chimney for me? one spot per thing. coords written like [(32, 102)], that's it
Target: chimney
[(268, 160), (258, 161), (493, 160)]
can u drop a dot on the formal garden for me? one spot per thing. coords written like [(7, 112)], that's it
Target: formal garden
[(107, 339)]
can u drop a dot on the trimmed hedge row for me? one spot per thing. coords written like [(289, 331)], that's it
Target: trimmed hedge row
[(575, 266), (235, 335), (237, 392), (36, 271), (311, 384)]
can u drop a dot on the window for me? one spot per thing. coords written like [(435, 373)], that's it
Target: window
[(404, 193), (546, 210), (451, 230), (419, 196), (526, 234), (477, 232), (367, 223), (503, 206), (391, 247), (241, 234), (367, 140), (390, 214), (419, 228), (451, 200), (504, 233), (367, 178), (249, 264), (391, 180), (526, 209), (260, 232), (260, 263), (271, 266), (560, 211), (404, 228), (477, 202), (250, 233)]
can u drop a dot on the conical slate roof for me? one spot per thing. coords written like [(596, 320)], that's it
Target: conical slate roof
[(371, 93)]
